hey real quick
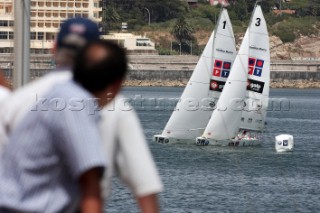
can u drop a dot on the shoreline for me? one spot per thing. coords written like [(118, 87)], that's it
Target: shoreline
[(290, 84)]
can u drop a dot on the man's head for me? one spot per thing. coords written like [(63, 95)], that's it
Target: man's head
[(100, 68), (74, 34)]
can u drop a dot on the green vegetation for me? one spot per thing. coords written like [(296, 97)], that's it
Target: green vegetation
[(182, 22), (290, 28), (182, 30), (297, 4), (136, 12)]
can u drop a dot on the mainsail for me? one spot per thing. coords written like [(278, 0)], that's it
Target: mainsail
[(257, 95), (193, 111), (225, 120)]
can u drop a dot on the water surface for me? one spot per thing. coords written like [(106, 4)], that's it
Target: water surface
[(241, 179)]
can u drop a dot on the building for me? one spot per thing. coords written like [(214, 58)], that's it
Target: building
[(221, 2), (45, 19), (134, 44), (6, 25)]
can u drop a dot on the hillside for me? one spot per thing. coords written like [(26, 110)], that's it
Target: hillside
[(302, 47), (173, 22)]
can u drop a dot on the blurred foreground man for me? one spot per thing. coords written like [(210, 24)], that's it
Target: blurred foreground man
[(124, 143), (4, 87), (53, 158), (129, 155)]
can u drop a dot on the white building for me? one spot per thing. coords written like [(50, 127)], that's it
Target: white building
[(133, 43), (221, 2), (46, 16)]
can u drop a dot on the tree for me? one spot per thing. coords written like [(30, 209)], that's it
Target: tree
[(241, 10), (240, 5), (267, 6), (166, 9), (160, 10), (314, 7), (110, 19), (182, 31)]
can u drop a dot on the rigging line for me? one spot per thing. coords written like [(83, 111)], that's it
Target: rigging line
[(198, 82)]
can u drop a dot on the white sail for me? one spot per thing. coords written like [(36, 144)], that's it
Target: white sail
[(224, 54), (193, 111), (225, 120), (254, 114)]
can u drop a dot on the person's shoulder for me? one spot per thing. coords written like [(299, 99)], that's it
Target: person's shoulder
[(41, 85), (70, 98), (4, 92), (48, 80), (68, 89)]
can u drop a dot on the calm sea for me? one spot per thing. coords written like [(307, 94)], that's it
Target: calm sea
[(241, 179)]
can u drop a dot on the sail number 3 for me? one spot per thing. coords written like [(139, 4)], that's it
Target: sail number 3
[(258, 22)]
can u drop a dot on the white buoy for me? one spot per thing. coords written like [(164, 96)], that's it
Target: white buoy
[(284, 143)]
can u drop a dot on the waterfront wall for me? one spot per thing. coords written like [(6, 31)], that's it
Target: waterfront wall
[(172, 68), (184, 75)]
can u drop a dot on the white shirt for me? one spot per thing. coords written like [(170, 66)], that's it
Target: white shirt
[(127, 150), (48, 151), (15, 106), (133, 157), (4, 92)]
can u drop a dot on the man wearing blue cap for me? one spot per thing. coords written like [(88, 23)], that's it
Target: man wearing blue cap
[(73, 35), (52, 159)]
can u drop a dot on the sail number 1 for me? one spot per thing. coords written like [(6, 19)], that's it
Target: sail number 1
[(224, 24)]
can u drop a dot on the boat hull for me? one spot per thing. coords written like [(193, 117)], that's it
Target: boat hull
[(161, 139), (201, 141)]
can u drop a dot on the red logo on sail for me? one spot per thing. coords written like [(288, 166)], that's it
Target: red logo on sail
[(252, 62), (255, 66), (251, 70), (214, 85), (226, 65), (218, 64), (221, 68), (216, 72)]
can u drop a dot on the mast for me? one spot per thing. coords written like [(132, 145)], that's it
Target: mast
[(21, 42)]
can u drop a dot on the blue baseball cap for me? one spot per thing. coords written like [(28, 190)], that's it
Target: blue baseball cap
[(77, 32)]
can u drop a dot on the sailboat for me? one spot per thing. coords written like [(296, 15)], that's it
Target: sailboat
[(199, 98), (243, 102), (257, 95)]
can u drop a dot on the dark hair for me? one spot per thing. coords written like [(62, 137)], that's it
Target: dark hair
[(95, 75)]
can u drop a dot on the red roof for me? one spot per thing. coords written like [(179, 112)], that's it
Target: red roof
[(284, 11)]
